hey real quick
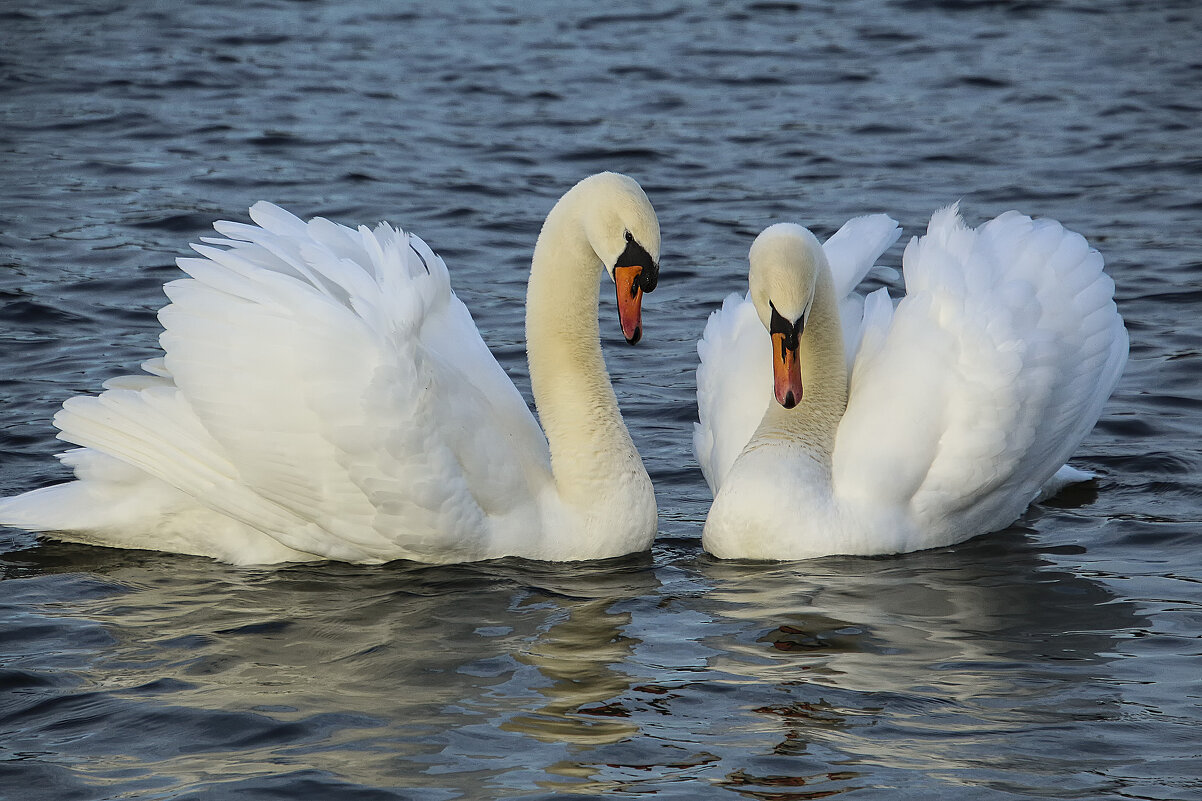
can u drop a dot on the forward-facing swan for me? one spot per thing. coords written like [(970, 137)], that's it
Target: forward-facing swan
[(963, 401), (324, 395)]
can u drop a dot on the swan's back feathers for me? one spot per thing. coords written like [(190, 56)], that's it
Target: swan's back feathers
[(970, 395), (324, 385), (734, 378)]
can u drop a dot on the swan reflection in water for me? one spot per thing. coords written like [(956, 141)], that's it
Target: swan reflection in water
[(576, 654), (963, 663), (597, 677), (385, 676)]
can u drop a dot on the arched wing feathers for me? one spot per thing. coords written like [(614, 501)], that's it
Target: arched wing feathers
[(989, 373), (320, 379)]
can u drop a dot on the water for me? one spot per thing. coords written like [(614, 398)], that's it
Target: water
[(1058, 658)]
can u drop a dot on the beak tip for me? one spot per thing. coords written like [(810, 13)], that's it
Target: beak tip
[(634, 337), (787, 398)]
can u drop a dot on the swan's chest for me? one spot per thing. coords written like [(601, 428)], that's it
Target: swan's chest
[(776, 503)]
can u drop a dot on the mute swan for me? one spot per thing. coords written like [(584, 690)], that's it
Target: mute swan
[(962, 402), (325, 395)]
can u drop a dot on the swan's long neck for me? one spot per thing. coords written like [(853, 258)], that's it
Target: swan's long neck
[(591, 449), (812, 424)]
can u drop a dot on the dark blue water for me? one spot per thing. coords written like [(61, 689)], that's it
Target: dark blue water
[(1059, 658)]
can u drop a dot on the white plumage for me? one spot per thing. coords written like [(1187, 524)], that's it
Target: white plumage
[(324, 394), (734, 379), (962, 402)]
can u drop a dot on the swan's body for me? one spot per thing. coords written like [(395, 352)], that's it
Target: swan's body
[(325, 395), (909, 428)]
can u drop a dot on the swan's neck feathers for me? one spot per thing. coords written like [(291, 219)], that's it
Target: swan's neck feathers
[(811, 425), (592, 454)]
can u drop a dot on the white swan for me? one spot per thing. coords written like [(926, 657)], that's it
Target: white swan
[(962, 404), (324, 395)]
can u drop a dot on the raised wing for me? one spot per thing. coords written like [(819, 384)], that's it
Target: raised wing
[(970, 395), (734, 385), (325, 386)]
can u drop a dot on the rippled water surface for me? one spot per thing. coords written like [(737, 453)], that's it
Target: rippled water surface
[(1059, 658)]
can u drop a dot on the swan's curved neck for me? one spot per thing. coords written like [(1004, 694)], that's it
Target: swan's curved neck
[(813, 423), (590, 446)]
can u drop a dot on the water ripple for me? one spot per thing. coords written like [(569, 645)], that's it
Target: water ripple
[(1053, 659)]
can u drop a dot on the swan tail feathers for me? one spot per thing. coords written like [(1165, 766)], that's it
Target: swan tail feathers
[(61, 507), (1063, 478), (112, 503)]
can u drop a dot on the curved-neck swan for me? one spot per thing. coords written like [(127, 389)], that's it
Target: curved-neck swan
[(835, 424), (323, 394)]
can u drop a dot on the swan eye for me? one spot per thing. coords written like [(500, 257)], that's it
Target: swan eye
[(635, 255), (790, 331)]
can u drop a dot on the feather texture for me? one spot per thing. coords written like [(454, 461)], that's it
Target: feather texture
[(324, 394), (963, 402)]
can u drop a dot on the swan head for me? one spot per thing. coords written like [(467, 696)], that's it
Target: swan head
[(622, 229), (786, 260)]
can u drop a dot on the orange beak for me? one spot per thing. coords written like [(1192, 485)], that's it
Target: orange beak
[(786, 373), (630, 302)]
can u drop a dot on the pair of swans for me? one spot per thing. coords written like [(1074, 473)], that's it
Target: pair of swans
[(323, 394)]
